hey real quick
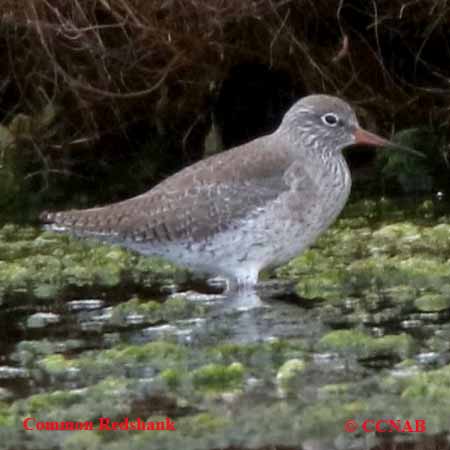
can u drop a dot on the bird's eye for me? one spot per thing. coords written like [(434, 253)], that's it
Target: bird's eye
[(330, 119)]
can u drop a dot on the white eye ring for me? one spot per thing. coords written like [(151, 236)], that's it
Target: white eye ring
[(330, 119)]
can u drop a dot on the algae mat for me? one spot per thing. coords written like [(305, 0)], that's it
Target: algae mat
[(91, 331)]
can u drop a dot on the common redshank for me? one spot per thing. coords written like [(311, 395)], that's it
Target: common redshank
[(252, 207)]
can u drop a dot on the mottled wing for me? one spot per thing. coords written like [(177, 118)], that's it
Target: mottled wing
[(198, 202)]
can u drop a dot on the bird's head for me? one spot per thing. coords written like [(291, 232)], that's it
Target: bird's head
[(326, 124)]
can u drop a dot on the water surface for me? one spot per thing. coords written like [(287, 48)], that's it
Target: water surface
[(92, 331)]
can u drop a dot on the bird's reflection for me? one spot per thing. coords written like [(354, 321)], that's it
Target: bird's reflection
[(254, 314), (240, 311), (242, 300)]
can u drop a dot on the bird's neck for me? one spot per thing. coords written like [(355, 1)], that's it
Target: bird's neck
[(333, 167), (321, 162)]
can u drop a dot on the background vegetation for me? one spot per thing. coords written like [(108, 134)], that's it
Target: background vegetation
[(100, 99)]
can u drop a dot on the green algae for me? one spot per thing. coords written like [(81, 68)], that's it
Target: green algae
[(289, 375), (268, 354), (49, 402), (55, 364), (352, 257), (400, 294), (432, 302), (345, 341), (172, 377), (44, 264), (332, 391), (217, 377), (327, 286), (327, 417), (346, 258), (373, 274), (28, 353), (433, 385), (109, 397), (83, 440), (150, 311), (93, 365), (203, 424), (7, 419), (159, 353), (360, 344)]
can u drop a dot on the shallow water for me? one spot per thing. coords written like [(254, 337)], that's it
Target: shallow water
[(92, 331)]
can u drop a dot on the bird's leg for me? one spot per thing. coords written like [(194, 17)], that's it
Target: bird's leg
[(241, 294), (242, 280), (247, 279)]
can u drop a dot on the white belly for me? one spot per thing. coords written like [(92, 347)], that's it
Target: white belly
[(269, 238)]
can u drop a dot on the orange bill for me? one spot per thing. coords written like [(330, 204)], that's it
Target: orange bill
[(363, 137)]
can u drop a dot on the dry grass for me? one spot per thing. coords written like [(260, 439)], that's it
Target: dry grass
[(106, 64)]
